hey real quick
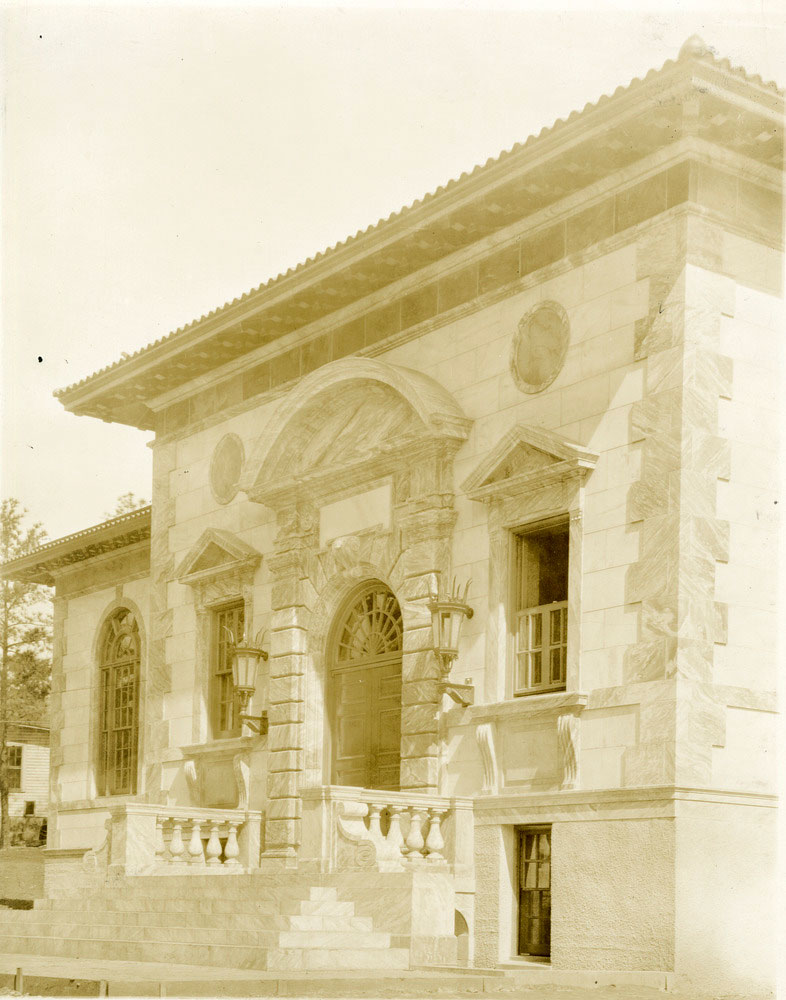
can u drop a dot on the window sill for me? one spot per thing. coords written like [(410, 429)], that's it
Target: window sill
[(524, 706), (220, 748)]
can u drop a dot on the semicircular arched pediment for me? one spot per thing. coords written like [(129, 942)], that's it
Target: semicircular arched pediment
[(348, 415)]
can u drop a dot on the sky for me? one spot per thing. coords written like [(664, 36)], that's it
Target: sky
[(160, 160)]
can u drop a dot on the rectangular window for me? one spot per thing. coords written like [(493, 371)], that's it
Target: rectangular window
[(14, 770), (228, 625), (535, 891), (541, 609), (29, 808)]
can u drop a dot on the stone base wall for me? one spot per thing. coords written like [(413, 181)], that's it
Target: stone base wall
[(727, 898), (21, 873)]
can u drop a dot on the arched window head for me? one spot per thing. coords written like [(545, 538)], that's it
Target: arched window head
[(372, 627), (119, 724)]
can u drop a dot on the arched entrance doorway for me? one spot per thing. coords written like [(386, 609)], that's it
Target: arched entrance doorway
[(365, 690)]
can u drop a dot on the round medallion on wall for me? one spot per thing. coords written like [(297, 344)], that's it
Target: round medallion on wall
[(540, 346), (226, 466)]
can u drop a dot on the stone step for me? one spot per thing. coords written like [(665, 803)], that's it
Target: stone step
[(333, 939), (185, 918), (324, 892), (123, 904), (208, 887), (221, 955), (318, 907), (151, 934), (326, 922), (311, 960)]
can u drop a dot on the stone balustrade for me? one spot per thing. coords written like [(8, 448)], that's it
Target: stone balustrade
[(201, 837), (159, 838), (346, 828)]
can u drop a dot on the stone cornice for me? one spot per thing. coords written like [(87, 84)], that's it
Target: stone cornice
[(56, 557), (738, 111), (691, 147)]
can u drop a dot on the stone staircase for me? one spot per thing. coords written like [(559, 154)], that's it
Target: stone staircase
[(234, 921)]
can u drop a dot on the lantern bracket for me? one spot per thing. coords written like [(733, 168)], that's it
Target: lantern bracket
[(256, 723), (462, 694)]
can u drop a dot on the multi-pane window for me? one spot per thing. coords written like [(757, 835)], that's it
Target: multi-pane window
[(228, 625), (535, 891), (119, 725), (14, 769), (541, 611)]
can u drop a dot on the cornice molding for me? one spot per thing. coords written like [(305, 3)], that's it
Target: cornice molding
[(56, 557), (660, 95)]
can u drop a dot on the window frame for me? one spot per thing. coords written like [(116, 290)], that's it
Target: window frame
[(12, 769), (214, 682), (106, 776), (516, 611), (535, 829)]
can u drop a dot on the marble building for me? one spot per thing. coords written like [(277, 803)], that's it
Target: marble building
[(553, 382)]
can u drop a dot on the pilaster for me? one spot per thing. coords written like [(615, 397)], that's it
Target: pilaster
[(298, 535), (158, 680), (681, 537), (426, 520)]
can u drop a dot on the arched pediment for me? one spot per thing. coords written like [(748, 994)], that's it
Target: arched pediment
[(346, 421)]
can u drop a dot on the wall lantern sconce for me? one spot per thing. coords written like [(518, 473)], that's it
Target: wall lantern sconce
[(245, 663), (448, 612)]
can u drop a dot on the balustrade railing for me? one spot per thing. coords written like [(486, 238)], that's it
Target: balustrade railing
[(157, 838), (206, 838), (346, 827)]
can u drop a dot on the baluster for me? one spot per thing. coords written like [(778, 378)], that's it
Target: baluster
[(195, 849), (395, 837), (415, 842), (374, 828), (176, 845), (435, 841), (160, 845), (214, 846), (232, 850)]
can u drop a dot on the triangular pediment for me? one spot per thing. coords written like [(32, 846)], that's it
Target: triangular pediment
[(216, 551), (524, 458)]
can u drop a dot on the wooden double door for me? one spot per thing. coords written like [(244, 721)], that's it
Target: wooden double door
[(366, 692), (367, 735)]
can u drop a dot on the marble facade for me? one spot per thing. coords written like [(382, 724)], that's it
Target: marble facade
[(396, 433)]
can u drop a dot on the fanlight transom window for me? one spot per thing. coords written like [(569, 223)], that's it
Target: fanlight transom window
[(120, 656), (372, 628)]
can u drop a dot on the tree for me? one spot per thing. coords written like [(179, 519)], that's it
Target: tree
[(126, 503), (25, 641)]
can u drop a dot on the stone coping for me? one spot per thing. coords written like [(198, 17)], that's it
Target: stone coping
[(220, 748), (339, 793), (184, 812), (656, 801), (56, 853), (530, 706)]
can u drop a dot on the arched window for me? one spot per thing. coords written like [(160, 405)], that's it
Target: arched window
[(366, 685), (119, 724)]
